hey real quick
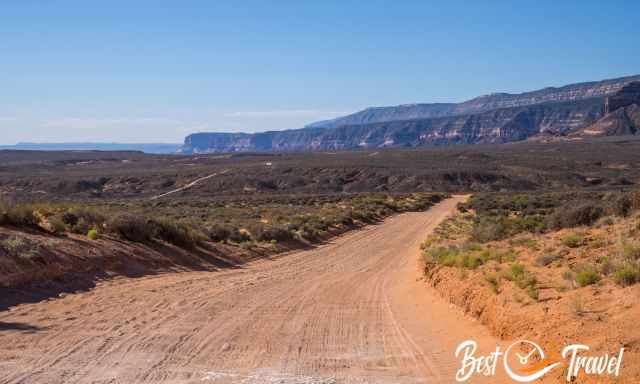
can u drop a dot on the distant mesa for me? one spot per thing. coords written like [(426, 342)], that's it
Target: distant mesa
[(571, 111)]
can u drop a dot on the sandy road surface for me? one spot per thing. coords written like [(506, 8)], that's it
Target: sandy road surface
[(348, 312)]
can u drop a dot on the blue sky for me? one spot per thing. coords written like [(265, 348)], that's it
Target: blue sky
[(154, 71)]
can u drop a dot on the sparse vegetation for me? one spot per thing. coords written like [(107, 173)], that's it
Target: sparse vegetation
[(494, 283), (20, 247), (577, 305), (574, 240), (546, 259), (575, 214), (131, 227), (587, 276), (627, 274)]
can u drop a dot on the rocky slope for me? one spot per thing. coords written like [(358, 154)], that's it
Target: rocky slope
[(496, 118), (621, 114)]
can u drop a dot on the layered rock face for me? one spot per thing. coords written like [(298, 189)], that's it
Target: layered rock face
[(481, 104), (497, 118), (622, 114), (629, 94)]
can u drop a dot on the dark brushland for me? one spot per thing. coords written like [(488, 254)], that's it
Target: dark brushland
[(604, 163), (492, 119)]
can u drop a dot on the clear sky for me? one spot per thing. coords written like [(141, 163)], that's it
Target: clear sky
[(155, 71)]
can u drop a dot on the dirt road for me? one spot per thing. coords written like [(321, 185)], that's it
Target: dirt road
[(190, 185), (352, 311)]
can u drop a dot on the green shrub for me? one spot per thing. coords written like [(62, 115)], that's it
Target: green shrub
[(573, 241), (522, 279), (532, 291), (178, 234), (494, 283), (630, 252), (92, 234), (627, 274), (20, 246), (446, 256), (496, 255), (489, 229), (81, 220), (268, 233), (469, 261), (131, 227), (530, 223), (606, 266), (514, 273), (524, 242), (575, 214), (18, 215), (57, 225), (14, 243), (587, 276)]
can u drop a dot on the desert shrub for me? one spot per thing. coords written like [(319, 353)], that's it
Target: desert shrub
[(532, 291), (219, 232), (92, 234), (587, 276), (363, 216), (20, 246), (577, 306), (524, 242), (627, 274), (573, 241), (268, 233), (522, 279), (446, 256), (489, 229), (239, 236), (630, 252), (19, 215), (494, 283), (57, 225), (606, 266), (545, 260), (514, 273), (530, 223), (81, 220), (178, 234), (69, 218), (621, 205), (576, 214), (131, 227), (14, 243), (496, 255), (467, 256), (469, 261)]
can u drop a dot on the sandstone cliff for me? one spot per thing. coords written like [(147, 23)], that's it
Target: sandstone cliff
[(497, 118)]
